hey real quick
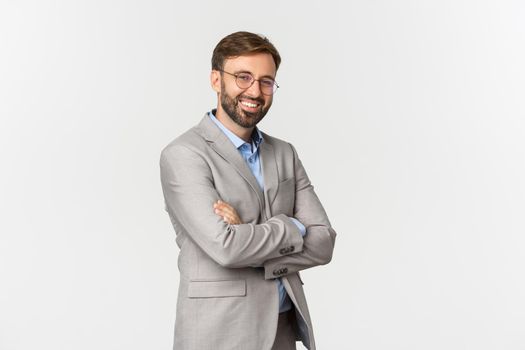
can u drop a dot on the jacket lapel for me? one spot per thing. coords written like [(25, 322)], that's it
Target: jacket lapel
[(223, 146), (270, 174)]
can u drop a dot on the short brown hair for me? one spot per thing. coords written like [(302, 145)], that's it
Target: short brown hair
[(242, 43)]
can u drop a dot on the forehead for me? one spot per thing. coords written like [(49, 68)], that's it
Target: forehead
[(259, 64)]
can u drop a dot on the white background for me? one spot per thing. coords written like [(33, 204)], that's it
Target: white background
[(408, 116)]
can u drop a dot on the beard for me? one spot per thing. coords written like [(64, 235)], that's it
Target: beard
[(241, 117)]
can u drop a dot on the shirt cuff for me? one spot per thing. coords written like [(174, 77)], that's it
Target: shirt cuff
[(300, 226)]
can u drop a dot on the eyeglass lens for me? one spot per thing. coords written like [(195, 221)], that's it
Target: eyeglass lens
[(245, 80)]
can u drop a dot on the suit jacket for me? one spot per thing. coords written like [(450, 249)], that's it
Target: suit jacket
[(228, 296)]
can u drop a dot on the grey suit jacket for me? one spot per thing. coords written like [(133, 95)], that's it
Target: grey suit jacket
[(228, 297)]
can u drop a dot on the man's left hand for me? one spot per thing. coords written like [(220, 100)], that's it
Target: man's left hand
[(227, 212)]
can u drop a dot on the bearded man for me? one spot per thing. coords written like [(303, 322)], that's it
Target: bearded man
[(245, 214)]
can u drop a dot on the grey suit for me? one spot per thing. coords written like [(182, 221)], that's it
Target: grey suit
[(228, 298)]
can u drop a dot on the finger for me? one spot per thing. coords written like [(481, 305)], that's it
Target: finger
[(218, 202), (228, 210), (232, 221), (229, 207), (228, 214), (228, 217), (221, 202), (225, 206), (221, 209)]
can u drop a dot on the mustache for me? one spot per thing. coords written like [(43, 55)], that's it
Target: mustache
[(258, 100)]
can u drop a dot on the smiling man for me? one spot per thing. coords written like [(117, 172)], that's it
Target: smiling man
[(246, 216)]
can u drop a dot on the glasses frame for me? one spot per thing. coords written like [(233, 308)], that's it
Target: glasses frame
[(253, 81)]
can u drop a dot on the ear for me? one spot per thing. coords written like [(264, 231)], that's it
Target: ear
[(215, 80)]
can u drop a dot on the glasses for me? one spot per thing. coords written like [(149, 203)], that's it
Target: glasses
[(268, 86)]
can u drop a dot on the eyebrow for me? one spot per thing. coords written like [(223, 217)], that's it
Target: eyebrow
[(246, 71)]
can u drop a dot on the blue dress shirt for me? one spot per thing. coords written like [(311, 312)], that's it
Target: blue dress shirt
[(250, 153)]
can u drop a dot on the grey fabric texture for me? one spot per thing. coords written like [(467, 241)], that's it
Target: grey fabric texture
[(228, 297)]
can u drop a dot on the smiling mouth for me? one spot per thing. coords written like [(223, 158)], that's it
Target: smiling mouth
[(249, 105)]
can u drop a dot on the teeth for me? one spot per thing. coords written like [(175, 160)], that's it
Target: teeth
[(248, 104)]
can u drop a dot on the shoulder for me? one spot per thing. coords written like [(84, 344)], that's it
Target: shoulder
[(190, 142)]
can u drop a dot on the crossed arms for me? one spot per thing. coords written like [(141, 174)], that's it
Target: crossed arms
[(191, 200)]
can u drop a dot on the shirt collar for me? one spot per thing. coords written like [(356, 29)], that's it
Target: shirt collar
[(257, 137)]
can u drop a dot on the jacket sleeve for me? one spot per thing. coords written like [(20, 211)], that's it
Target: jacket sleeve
[(318, 243), (189, 194)]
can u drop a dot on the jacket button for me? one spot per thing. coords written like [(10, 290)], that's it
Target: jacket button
[(276, 272), (292, 248), (283, 251), (285, 270)]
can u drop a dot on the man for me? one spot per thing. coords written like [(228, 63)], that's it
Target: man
[(246, 216)]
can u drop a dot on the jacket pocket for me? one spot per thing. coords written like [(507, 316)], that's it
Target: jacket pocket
[(216, 289)]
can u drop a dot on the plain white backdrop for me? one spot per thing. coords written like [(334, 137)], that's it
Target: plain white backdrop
[(408, 116)]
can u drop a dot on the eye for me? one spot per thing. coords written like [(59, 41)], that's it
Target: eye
[(245, 77), (267, 82)]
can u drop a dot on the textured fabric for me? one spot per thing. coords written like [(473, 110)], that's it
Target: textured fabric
[(250, 154), (227, 297)]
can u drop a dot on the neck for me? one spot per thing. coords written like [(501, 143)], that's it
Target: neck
[(224, 118)]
